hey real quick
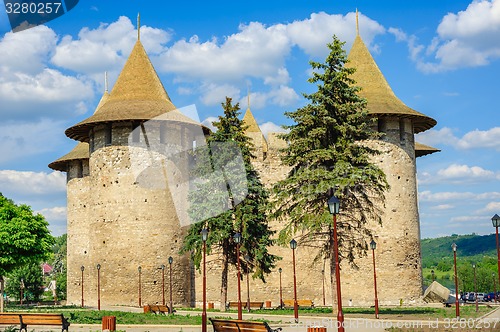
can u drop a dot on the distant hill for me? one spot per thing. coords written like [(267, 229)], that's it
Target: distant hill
[(467, 245)]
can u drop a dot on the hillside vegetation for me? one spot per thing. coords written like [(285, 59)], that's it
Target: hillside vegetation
[(480, 250)]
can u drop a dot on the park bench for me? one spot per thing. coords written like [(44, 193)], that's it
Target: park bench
[(253, 305), (300, 303), (159, 309), (25, 319), (223, 325)]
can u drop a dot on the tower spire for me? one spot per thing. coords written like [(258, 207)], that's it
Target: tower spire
[(357, 22), (105, 81), (138, 26)]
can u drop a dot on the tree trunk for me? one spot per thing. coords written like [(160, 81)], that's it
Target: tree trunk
[(225, 266), (1, 294), (332, 275)]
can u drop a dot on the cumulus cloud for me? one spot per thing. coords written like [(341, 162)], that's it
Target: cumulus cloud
[(469, 38), (208, 122), (32, 183), (56, 216), (438, 197), (487, 139), (215, 94), (270, 127), (463, 174)]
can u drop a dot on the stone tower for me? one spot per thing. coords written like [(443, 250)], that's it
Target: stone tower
[(121, 212)]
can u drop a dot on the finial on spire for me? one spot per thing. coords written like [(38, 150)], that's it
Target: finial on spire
[(105, 81), (357, 22), (138, 26), (248, 94)]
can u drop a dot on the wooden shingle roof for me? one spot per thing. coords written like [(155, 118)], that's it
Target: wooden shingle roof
[(375, 89)]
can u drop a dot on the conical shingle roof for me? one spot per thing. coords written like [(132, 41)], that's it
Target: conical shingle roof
[(423, 150), (253, 128), (138, 94), (375, 89)]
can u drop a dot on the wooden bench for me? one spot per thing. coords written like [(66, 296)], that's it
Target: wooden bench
[(159, 309), (300, 303), (253, 305), (25, 319), (223, 325)]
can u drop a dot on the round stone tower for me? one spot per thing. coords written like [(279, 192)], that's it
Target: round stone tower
[(123, 214)]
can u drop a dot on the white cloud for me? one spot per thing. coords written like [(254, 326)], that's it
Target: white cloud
[(214, 94), (270, 127), (466, 219), (493, 207), (280, 96), (469, 38), (443, 207), (31, 183), (208, 122), (464, 174), (57, 217), (488, 139)]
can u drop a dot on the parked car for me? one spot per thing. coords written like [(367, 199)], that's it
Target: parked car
[(471, 297), (480, 297), (489, 297)]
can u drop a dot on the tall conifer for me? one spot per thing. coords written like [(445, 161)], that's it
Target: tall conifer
[(243, 195), (329, 154)]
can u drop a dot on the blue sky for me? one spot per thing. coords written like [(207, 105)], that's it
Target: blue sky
[(440, 57)]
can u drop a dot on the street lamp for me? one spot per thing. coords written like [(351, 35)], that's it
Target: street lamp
[(457, 307), (496, 223), (170, 261), (82, 268), (432, 274), (373, 246), (323, 284), (98, 286), (247, 259), (334, 206), (237, 240), (281, 293), (21, 287), (139, 269), (204, 237), (293, 246), (475, 286), (163, 283)]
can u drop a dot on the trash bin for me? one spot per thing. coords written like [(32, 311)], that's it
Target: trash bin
[(109, 323), (316, 329), (268, 304), (210, 305)]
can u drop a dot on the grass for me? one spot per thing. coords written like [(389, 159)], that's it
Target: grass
[(78, 315)]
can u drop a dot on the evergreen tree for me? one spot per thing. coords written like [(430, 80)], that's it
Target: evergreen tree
[(329, 154), (230, 185)]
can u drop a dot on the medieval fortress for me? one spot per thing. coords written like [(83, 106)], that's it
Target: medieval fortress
[(120, 221)]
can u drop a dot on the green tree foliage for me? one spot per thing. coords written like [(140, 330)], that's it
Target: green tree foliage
[(244, 201), (329, 155), (31, 275), (24, 237), (59, 272)]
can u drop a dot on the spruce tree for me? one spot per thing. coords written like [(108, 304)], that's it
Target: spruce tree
[(237, 190), (329, 154)]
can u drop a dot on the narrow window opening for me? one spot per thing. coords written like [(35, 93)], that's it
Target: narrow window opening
[(402, 131), (107, 135), (91, 145), (80, 169)]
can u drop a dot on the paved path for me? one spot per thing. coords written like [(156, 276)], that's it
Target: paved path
[(286, 322)]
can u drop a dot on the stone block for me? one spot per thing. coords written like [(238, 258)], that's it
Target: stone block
[(436, 293)]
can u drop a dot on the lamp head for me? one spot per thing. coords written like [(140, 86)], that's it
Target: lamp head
[(334, 205), (373, 245), (280, 270), (204, 234), (237, 237), (170, 260), (139, 269), (454, 247), (293, 244), (98, 267), (82, 268), (495, 220)]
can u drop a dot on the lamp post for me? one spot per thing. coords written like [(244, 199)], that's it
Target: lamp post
[(139, 269), (281, 293), (21, 287), (98, 286), (373, 246), (293, 246), (475, 286), (163, 284), (204, 237), (457, 307), (496, 223), (237, 240), (432, 275), (170, 261), (247, 259), (323, 284), (334, 206), (82, 268)]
